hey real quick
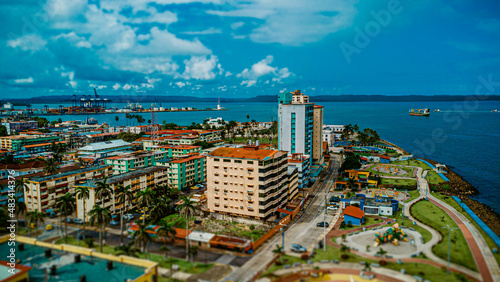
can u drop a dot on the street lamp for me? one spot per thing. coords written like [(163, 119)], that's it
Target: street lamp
[(449, 244)]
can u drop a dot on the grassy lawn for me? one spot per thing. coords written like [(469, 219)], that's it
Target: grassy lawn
[(491, 244), (412, 163), (436, 218), (368, 221), (184, 266), (413, 195), (426, 235), (407, 169), (392, 181), (426, 271), (433, 178)]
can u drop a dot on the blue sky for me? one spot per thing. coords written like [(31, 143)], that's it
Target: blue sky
[(218, 48)]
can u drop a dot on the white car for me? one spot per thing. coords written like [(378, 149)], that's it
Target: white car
[(332, 208)]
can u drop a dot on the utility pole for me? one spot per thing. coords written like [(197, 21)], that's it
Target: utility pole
[(449, 244), (324, 227)]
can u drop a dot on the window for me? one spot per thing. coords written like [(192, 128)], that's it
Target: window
[(216, 160), (227, 160), (238, 161), (249, 162)]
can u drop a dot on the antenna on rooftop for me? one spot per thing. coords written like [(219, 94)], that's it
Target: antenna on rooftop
[(154, 128)]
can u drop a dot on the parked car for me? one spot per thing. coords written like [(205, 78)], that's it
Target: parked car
[(298, 248), (142, 217), (334, 199), (322, 224), (113, 222), (78, 221), (69, 220), (332, 208), (128, 216)]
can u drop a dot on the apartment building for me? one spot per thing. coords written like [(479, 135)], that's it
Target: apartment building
[(16, 142), (136, 160), (302, 164), (42, 192), (175, 151), (247, 181), (293, 183), (17, 126), (105, 149), (138, 180), (184, 172), (317, 152), (40, 148)]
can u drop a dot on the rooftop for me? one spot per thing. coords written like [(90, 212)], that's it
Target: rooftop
[(190, 158), (244, 153), (354, 212), (67, 173), (127, 175), (105, 145)]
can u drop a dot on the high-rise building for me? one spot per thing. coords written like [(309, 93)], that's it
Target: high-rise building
[(300, 125), (249, 182), (317, 152), (295, 122)]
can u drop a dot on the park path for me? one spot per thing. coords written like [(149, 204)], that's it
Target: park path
[(485, 261)]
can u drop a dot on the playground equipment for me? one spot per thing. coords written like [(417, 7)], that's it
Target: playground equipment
[(394, 234)]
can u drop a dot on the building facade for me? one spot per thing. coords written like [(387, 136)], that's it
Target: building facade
[(293, 183), (317, 152), (184, 172), (42, 192), (138, 180), (248, 182), (175, 151), (302, 164), (16, 142), (17, 126), (135, 160)]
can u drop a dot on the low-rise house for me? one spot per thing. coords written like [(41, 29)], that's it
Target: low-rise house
[(354, 215)]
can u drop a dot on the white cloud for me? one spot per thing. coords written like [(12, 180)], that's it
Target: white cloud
[(30, 42), (24, 80), (180, 84), (237, 25), (199, 67), (211, 30), (248, 83), (294, 22), (116, 86), (263, 69), (130, 86)]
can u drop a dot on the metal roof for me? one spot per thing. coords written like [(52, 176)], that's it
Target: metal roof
[(105, 145)]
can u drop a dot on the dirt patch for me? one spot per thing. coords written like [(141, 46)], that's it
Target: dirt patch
[(216, 273)]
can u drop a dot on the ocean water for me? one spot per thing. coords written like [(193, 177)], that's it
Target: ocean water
[(463, 135)]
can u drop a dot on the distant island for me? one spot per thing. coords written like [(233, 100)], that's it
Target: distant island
[(261, 98)]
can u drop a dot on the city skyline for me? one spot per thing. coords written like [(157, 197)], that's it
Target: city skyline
[(228, 49)]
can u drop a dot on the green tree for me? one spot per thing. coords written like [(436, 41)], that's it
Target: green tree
[(66, 206), (84, 194), (382, 252), (51, 166), (3, 130), (278, 250), (145, 198), (142, 236), (127, 250), (103, 190), (35, 217), (100, 216), (116, 119), (124, 198), (187, 209)]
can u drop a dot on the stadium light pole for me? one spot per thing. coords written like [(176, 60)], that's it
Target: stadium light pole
[(449, 244)]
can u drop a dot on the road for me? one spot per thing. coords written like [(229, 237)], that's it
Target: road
[(301, 230), (485, 261)]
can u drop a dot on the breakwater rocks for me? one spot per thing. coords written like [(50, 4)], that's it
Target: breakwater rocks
[(457, 186)]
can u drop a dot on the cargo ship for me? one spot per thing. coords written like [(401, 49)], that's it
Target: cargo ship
[(420, 112)]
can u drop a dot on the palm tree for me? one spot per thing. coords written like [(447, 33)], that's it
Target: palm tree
[(117, 118), (51, 166), (21, 186), (124, 197), (66, 204), (35, 217), (193, 252), (128, 250), (167, 230), (278, 250), (142, 236), (187, 209), (145, 198), (103, 190), (83, 193), (382, 252), (101, 216)]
